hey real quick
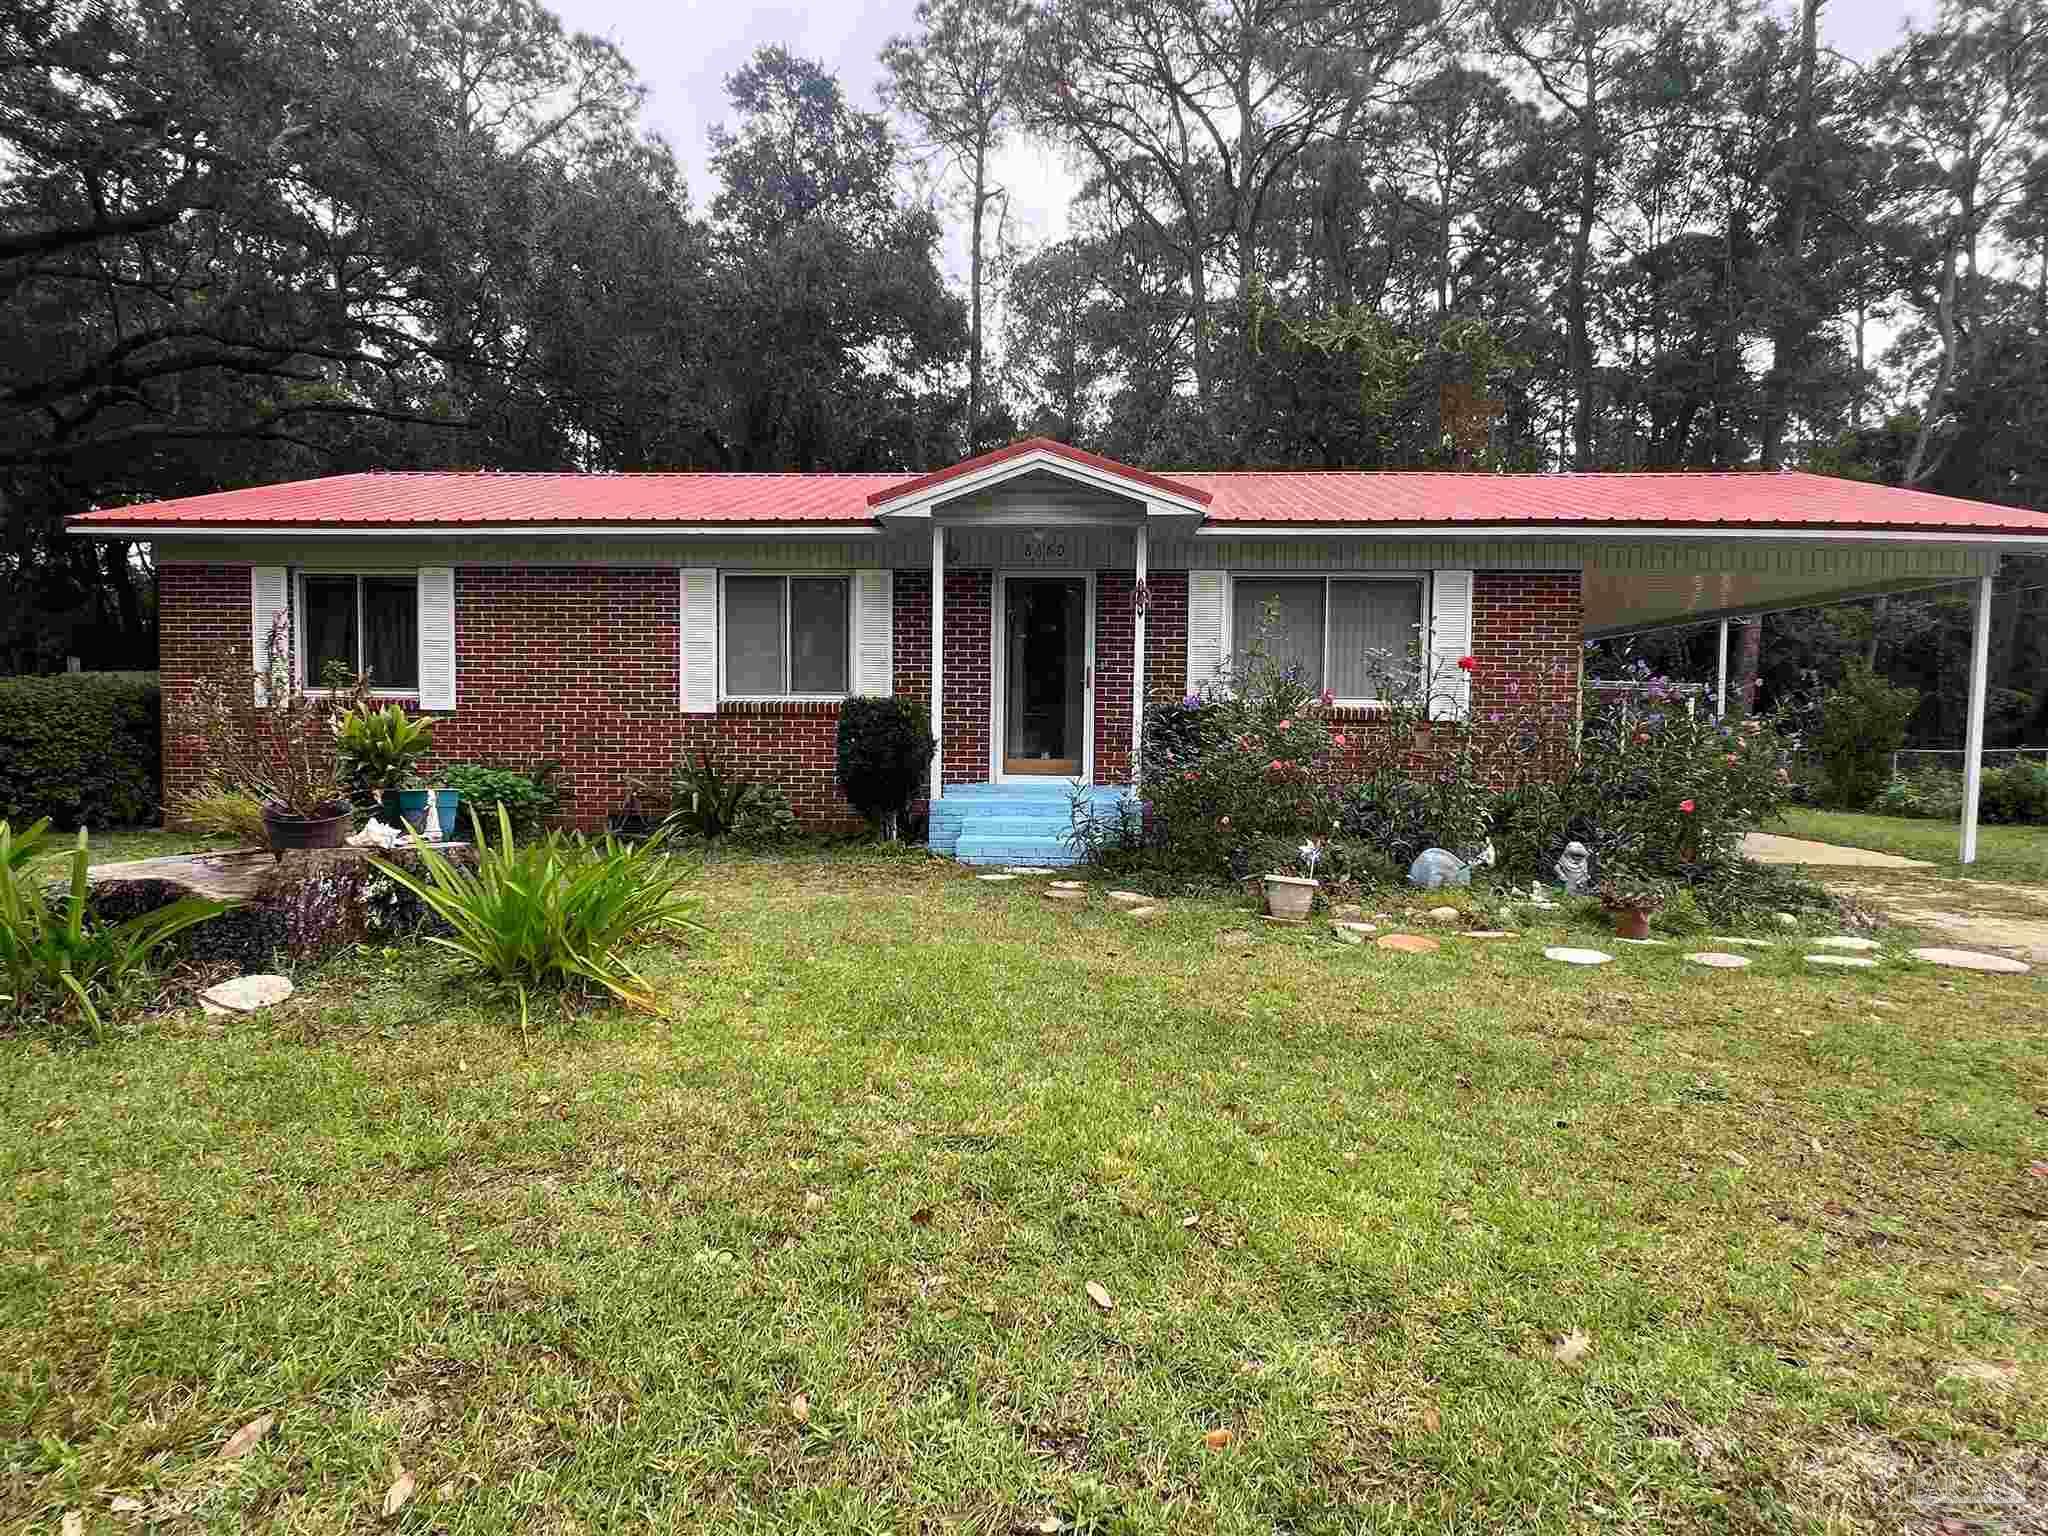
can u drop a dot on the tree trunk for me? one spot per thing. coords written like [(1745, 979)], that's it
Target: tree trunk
[(1917, 463), (1577, 339), (974, 302), (1742, 682), (1877, 612), (1792, 333)]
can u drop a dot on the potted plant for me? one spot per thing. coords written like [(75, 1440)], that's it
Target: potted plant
[(273, 743), (1290, 897), (1631, 896), (379, 751)]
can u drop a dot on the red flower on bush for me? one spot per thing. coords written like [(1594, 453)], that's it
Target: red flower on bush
[(1338, 740), (1468, 664), (1285, 723), (1191, 775), (1686, 806)]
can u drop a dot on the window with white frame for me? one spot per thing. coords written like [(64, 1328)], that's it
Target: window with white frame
[(366, 624), (1343, 633), (786, 636)]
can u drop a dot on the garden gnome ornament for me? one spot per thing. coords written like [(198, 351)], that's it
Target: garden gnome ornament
[(1575, 869), (1435, 868)]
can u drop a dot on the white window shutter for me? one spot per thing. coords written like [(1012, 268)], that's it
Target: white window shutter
[(269, 596), (874, 633), (437, 638), (1450, 639), (1208, 624), (699, 643)]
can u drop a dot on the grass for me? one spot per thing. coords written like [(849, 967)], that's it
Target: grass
[(810, 1255), (114, 845), (2003, 853)]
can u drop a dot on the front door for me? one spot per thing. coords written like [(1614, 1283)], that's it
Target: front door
[(1044, 689)]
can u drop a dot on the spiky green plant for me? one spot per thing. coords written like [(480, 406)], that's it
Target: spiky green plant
[(558, 910), (52, 957)]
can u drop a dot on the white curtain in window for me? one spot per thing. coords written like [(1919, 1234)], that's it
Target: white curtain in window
[(1294, 638), (753, 635), (818, 634), (1374, 627)]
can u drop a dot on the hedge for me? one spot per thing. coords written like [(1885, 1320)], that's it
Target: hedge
[(82, 748)]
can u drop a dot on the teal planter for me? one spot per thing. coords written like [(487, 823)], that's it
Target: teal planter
[(448, 808), (406, 808)]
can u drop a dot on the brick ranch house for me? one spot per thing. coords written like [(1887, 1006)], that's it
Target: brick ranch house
[(614, 622)]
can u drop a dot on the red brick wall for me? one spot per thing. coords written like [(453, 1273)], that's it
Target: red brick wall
[(579, 665)]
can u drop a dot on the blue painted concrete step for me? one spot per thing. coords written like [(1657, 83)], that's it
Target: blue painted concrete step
[(1013, 823)]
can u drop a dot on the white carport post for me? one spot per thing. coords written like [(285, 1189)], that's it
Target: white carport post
[(938, 655), (1973, 738), (1138, 655), (1721, 689)]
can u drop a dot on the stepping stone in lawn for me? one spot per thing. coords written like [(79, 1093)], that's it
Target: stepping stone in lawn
[(1356, 928), (995, 877), (1342, 933), (1409, 944), (1444, 914), (1572, 956), (1026, 869), (245, 994), (1056, 894), (1068, 885), (1233, 938), (1848, 941), (1732, 942), (1972, 960), (1488, 933), (1853, 962), (1147, 911), (1718, 960), (1129, 898)]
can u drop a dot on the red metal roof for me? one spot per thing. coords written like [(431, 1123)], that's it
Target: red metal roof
[(1301, 498)]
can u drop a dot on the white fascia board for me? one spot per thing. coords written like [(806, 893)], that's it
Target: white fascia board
[(480, 531), (920, 505)]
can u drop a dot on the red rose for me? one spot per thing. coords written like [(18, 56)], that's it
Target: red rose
[(1685, 806), (1468, 664), (1338, 739)]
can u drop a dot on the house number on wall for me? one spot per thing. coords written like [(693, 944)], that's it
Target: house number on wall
[(1045, 547)]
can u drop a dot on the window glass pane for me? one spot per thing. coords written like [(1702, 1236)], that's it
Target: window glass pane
[(818, 634), (391, 631), (753, 635), (1374, 626), (1294, 638), (330, 626)]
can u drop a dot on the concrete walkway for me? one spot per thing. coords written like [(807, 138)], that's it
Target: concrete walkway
[(1769, 848)]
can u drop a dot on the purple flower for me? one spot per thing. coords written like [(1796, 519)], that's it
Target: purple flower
[(1494, 718), (1192, 701)]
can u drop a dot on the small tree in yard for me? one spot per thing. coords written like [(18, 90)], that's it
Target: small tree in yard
[(1862, 723), (885, 750)]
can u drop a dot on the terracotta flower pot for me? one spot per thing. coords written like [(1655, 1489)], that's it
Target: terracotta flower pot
[(1290, 896), (1629, 923)]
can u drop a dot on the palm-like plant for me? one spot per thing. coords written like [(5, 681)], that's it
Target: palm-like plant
[(49, 951), (559, 910)]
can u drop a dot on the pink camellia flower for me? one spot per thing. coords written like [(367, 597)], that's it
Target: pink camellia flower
[(1285, 723), (1338, 740), (1274, 766), (1191, 775), (1731, 757), (1329, 697), (1685, 806)]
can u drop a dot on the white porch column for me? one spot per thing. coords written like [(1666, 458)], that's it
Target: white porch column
[(1138, 656), (938, 656), (1721, 690), (1973, 739)]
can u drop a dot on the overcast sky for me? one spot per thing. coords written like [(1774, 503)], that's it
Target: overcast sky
[(684, 49)]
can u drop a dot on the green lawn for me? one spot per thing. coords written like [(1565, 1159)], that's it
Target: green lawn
[(2003, 853), (811, 1254)]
